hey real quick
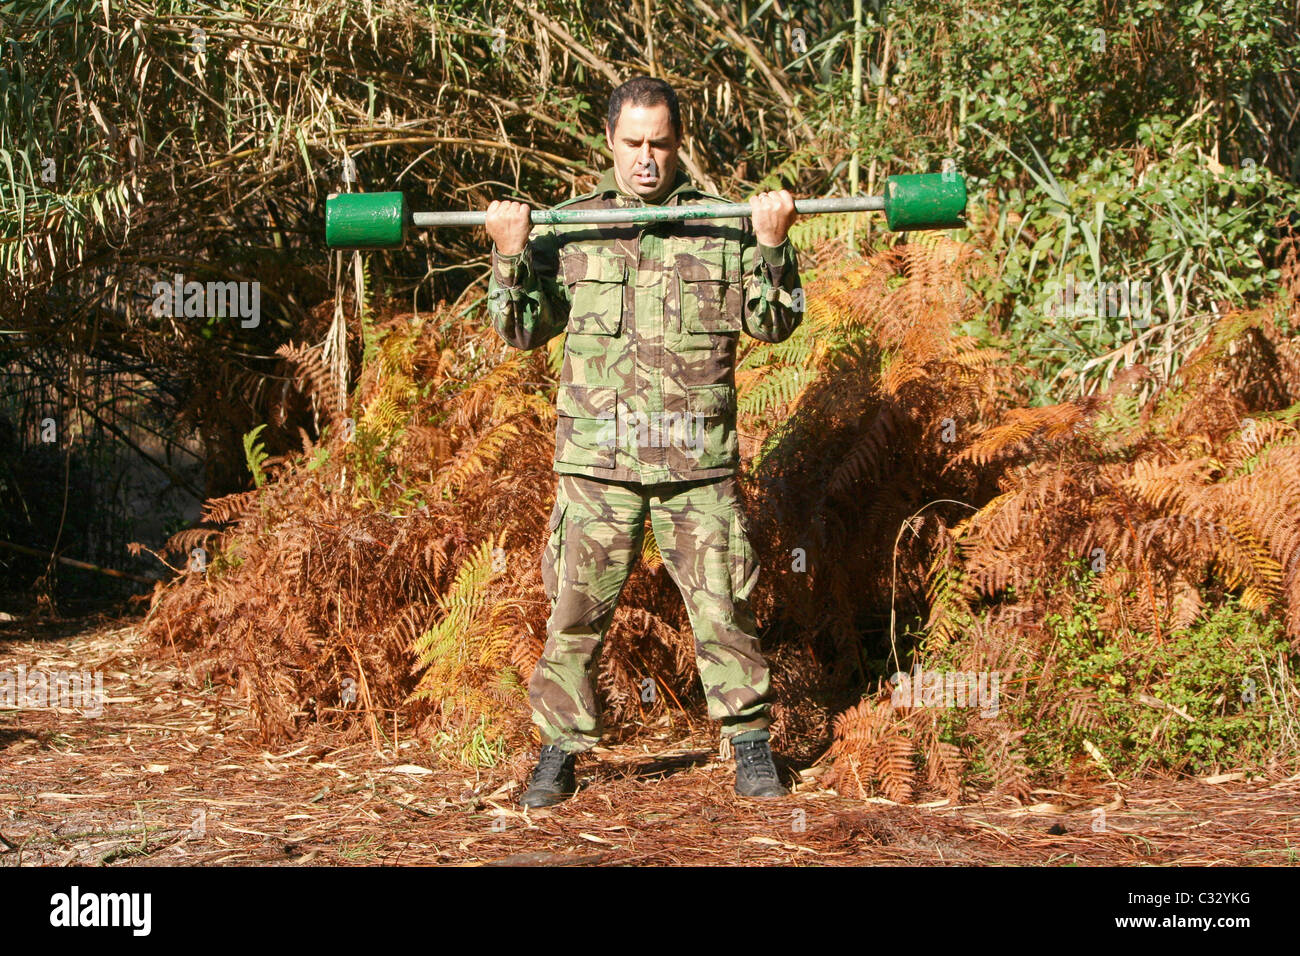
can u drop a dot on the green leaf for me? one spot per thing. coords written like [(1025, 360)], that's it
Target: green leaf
[(255, 455)]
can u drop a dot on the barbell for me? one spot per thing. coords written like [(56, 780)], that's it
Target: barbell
[(382, 220)]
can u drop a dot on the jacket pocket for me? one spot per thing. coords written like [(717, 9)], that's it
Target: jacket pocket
[(585, 424), (713, 412), (597, 282), (708, 283)]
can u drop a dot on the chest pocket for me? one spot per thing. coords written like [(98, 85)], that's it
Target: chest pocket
[(597, 284), (709, 288)]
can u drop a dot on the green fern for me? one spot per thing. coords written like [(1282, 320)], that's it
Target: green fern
[(465, 655), (370, 338), (779, 386), (809, 231), (255, 455), (555, 354), (1249, 465), (798, 349), (650, 554), (1121, 418)]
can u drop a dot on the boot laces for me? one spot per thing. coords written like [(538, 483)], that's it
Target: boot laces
[(551, 762), (757, 758)]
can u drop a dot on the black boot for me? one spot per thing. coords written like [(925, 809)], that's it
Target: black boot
[(553, 781), (756, 774)]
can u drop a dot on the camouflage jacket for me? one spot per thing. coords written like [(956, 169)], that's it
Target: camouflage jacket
[(653, 313)]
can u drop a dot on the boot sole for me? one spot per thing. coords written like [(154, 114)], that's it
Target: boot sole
[(763, 796), (548, 800)]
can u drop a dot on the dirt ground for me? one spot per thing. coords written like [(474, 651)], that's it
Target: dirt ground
[(165, 777)]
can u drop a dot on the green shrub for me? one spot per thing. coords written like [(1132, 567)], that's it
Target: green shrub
[(1216, 695)]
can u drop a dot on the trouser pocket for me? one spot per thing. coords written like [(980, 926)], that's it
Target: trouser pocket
[(553, 551), (742, 561)]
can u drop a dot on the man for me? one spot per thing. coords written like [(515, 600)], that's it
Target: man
[(646, 422)]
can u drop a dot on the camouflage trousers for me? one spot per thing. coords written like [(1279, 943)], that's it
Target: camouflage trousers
[(596, 531)]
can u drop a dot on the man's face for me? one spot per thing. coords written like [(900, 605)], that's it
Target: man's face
[(645, 150)]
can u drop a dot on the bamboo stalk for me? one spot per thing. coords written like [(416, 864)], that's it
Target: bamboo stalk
[(730, 34), (857, 109), (880, 106), (649, 41)]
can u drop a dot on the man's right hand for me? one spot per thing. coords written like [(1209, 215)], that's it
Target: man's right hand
[(508, 224)]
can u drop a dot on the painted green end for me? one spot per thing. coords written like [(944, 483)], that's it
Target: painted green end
[(925, 201), (366, 220)]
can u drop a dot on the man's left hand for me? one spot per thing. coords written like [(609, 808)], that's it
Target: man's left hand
[(773, 214)]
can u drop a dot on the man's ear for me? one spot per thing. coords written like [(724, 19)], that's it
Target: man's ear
[(609, 138)]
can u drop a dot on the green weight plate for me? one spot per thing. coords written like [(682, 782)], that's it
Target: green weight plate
[(366, 220), (925, 201)]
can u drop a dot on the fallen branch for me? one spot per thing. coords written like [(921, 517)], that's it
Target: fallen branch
[(83, 565)]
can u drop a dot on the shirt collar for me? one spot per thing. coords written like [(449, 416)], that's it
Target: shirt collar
[(682, 184)]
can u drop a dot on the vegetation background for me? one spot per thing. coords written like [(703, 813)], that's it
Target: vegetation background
[(949, 466)]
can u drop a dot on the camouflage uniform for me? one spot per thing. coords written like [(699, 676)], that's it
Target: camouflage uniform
[(646, 424)]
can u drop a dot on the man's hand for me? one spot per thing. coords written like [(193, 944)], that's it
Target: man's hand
[(508, 225), (773, 214)]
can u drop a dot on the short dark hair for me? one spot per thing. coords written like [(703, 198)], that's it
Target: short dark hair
[(644, 91)]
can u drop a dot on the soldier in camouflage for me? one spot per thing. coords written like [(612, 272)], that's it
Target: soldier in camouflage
[(646, 422)]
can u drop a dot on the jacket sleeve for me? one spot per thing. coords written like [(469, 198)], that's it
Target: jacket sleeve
[(526, 301), (774, 298)]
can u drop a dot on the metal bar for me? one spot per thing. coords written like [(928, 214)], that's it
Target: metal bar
[(652, 213)]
